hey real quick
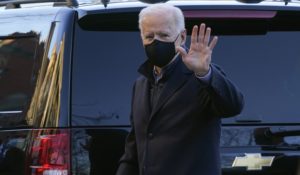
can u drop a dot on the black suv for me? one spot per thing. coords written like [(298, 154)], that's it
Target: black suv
[(67, 70)]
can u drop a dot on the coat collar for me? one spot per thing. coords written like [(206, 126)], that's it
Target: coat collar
[(146, 68), (176, 80)]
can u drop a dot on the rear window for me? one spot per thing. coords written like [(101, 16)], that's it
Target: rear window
[(17, 78), (265, 67)]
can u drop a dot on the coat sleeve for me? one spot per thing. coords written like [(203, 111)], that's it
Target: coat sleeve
[(224, 98), (128, 164)]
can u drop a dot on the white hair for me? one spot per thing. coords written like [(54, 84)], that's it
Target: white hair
[(162, 8)]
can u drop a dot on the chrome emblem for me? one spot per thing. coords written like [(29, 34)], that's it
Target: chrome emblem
[(253, 161)]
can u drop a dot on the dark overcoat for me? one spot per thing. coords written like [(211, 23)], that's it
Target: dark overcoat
[(180, 134)]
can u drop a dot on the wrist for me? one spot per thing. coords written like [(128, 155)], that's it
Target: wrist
[(202, 73)]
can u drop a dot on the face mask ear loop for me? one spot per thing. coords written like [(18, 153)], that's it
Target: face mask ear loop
[(176, 38)]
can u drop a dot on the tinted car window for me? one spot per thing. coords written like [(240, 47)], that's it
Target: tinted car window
[(266, 68), (104, 70), (262, 66), (17, 78)]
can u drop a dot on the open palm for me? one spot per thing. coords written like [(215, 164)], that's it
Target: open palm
[(198, 58)]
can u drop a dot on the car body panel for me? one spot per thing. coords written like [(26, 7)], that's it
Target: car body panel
[(94, 127)]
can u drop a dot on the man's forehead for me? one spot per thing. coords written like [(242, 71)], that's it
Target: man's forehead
[(163, 22)]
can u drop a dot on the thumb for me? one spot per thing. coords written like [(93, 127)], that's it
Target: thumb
[(181, 51)]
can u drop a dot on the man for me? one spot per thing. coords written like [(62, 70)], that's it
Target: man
[(178, 101)]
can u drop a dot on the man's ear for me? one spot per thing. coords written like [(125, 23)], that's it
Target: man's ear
[(183, 37)]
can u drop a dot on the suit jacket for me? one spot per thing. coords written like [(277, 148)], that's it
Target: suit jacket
[(180, 135)]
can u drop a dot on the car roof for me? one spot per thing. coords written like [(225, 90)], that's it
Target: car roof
[(124, 3), (89, 7), (133, 5), (108, 4)]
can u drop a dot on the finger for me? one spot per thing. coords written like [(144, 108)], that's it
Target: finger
[(207, 36), (201, 33), (213, 43), (181, 51), (194, 34)]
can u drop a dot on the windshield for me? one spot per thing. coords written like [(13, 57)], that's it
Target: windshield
[(265, 67)]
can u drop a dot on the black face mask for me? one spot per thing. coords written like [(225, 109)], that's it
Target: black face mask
[(160, 53)]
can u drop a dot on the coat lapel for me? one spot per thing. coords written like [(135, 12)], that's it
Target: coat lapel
[(145, 101), (141, 105), (174, 83)]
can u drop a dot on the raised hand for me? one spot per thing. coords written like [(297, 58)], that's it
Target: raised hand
[(198, 58)]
